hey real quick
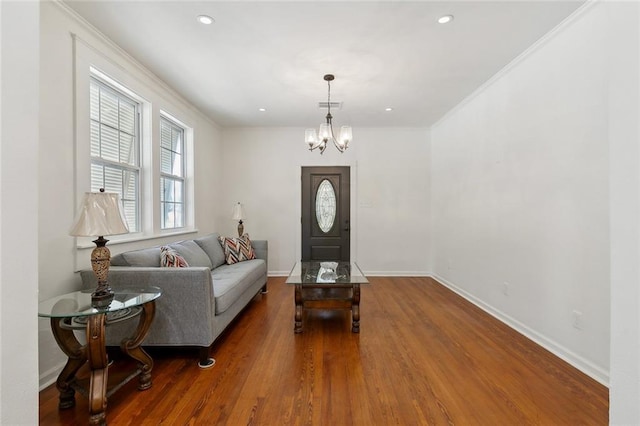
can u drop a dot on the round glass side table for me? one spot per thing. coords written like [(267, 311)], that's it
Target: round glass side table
[(73, 311)]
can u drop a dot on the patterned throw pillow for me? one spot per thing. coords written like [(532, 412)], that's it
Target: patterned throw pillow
[(171, 259), (237, 249)]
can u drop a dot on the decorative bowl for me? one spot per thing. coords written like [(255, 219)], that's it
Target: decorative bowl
[(329, 265)]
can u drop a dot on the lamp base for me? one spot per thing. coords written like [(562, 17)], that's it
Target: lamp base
[(240, 229), (102, 298), (100, 257)]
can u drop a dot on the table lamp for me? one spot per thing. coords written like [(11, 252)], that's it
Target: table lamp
[(100, 214), (238, 214)]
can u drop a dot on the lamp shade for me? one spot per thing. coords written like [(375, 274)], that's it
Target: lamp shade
[(325, 132), (99, 214), (310, 137), (238, 212), (346, 134)]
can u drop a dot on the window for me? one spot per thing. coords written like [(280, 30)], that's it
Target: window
[(128, 144), (325, 206), (172, 175), (115, 147)]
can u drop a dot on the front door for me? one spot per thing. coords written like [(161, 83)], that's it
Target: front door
[(326, 213)]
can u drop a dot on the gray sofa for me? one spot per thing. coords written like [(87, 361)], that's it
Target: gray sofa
[(198, 302)]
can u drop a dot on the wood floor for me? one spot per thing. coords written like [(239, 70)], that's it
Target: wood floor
[(424, 356)]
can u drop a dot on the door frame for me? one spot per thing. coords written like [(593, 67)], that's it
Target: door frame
[(353, 184)]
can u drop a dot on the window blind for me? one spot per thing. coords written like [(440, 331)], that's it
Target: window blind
[(115, 147), (172, 181)]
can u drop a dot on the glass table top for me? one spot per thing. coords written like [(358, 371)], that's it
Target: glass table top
[(78, 303), (326, 273)]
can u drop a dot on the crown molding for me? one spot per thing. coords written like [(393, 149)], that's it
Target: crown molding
[(139, 67)]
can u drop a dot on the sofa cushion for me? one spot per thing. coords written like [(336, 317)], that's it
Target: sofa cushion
[(118, 260), (170, 258), (192, 253), (211, 245), (237, 249), (230, 281), (144, 257)]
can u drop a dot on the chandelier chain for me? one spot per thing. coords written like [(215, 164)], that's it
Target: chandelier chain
[(329, 97)]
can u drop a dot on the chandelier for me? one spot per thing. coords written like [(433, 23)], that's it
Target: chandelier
[(325, 133)]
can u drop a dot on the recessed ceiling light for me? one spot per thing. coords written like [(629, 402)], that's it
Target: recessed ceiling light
[(445, 19), (262, 109), (206, 20), (388, 109)]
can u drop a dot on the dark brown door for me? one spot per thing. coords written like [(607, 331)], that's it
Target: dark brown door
[(326, 225)]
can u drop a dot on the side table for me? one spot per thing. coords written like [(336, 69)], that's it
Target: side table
[(73, 311)]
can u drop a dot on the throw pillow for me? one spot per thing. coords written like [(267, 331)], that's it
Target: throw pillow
[(171, 259), (237, 249)]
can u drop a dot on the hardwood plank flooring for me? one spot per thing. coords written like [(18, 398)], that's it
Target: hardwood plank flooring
[(424, 356)]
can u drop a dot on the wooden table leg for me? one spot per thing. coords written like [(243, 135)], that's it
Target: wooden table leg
[(98, 362), (77, 356), (132, 347), (355, 309), (298, 314)]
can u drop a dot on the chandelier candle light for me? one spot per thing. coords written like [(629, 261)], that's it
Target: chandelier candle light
[(325, 134), (100, 214)]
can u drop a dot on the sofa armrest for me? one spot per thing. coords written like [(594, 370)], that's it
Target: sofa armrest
[(187, 304), (261, 248)]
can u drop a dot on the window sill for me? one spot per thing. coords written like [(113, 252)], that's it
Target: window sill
[(132, 238)]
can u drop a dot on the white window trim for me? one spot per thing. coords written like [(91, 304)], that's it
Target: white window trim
[(112, 85), (176, 178), (189, 160), (88, 59)]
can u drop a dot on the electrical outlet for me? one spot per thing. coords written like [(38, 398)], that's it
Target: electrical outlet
[(505, 288), (577, 320)]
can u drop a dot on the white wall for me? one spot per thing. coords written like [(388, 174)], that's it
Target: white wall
[(624, 184), (389, 197), (520, 192), (19, 64), (521, 178), (57, 253)]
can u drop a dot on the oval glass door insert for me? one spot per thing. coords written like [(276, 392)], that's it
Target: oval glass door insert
[(325, 206)]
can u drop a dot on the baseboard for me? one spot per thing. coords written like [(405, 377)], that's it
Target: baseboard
[(552, 346), (278, 273), (397, 274), (50, 376)]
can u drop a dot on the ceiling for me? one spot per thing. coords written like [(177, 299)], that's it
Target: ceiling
[(273, 55)]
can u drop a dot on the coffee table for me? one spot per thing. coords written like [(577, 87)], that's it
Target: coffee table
[(327, 285), (73, 311)]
